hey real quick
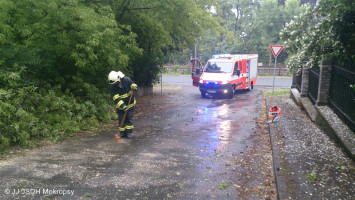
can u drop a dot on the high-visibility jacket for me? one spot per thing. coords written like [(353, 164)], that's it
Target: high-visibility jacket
[(121, 93)]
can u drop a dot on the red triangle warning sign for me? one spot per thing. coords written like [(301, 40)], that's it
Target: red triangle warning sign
[(276, 49)]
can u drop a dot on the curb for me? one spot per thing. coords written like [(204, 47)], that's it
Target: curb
[(278, 171)]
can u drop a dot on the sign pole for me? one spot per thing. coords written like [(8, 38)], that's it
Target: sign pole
[(161, 83), (275, 49), (273, 84)]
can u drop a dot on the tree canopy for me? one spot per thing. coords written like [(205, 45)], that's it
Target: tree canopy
[(251, 27), (162, 27), (55, 56), (327, 30), (62, 42)]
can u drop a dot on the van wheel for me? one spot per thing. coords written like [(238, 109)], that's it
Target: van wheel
[(230, 93), (252, 85), (203, 94)]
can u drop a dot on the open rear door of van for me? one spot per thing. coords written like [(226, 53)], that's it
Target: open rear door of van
[(196, 70)]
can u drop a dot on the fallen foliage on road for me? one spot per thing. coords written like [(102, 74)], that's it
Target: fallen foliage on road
[(258, 168), (159, 100), (149, 104)]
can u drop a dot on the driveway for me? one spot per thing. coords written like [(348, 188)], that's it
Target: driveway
[(191, 148)]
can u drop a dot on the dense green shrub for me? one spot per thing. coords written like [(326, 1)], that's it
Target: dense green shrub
[(29, 112), (55, 56)]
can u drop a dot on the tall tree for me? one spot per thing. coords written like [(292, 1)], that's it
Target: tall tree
[(265, 29), (65, 42), (330, 24), (235, 16), (254, 26), (162, 26), (311, 3)]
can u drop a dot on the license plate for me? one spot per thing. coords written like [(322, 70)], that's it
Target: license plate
[(211, 91)]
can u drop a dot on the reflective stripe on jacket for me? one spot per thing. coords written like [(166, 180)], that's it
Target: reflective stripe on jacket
[(121, 93)]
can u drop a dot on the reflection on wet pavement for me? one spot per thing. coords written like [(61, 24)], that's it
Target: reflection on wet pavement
[(186, 151)]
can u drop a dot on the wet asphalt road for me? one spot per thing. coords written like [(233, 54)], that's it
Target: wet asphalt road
[(187, 151)]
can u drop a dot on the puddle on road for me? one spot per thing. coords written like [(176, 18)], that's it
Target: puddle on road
[(214, 105), (218, 103), (214, 137), (212, 113), (225, 127)]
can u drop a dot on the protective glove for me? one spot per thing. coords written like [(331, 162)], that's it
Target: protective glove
[(134, 87)]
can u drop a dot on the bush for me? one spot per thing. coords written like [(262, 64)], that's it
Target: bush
[(29, 113)]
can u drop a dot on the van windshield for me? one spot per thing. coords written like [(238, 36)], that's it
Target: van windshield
[(219, 67)]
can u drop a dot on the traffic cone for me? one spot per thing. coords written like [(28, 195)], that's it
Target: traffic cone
[(274, 114)]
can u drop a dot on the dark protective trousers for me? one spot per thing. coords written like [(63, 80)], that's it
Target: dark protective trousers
[(127, 126)]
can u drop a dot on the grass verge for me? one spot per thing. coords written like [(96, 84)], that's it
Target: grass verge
[(277, 92)]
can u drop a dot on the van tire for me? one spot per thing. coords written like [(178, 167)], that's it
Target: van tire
[(251, 86), (203, 94), (230, 93)]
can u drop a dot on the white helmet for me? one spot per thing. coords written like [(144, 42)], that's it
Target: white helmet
[(113, 77), (120, 74)]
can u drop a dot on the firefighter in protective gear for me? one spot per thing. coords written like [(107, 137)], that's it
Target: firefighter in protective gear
[(122, 88)]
